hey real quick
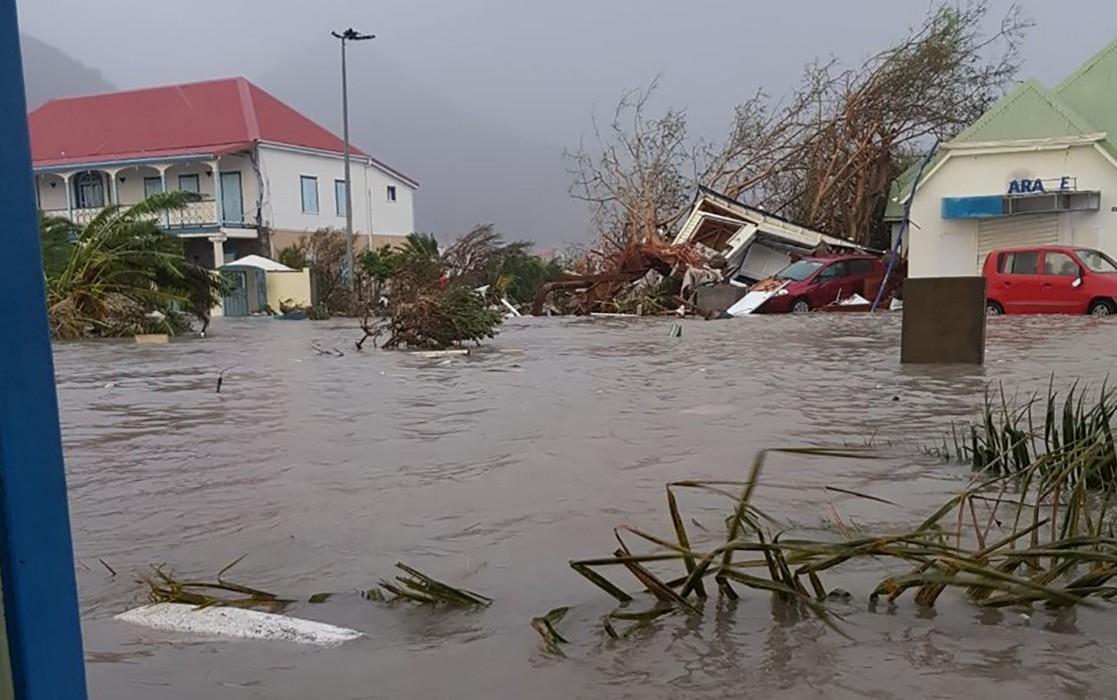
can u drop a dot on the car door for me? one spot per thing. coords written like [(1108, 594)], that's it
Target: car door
[(1019, 282), (856, 280), (828, 284), (1061, 290)]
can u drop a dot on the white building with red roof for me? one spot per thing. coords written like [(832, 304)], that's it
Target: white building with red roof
[(266, 174)]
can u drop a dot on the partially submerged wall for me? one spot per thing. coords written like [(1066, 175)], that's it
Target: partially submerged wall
[(294, 285)]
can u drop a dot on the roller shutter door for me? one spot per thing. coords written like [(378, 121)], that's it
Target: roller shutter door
[(1015, 231)]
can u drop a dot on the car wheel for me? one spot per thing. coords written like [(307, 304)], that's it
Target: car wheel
[(1102, 307), (992, 308), (801, 306)]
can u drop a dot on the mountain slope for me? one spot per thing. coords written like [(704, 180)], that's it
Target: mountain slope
[(48, 73), (470, 171)]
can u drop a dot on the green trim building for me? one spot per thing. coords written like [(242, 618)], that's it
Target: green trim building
[(1040, 167)]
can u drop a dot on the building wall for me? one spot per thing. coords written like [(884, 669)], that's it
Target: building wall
[(282, 169), (948, 247), (51, 198), (389, 218), (288, 285)]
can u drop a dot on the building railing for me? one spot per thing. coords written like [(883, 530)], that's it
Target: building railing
[(195, 215)]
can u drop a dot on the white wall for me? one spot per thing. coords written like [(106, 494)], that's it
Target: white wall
[(948, 247), (389, 218), (51, 198), (282, 170)]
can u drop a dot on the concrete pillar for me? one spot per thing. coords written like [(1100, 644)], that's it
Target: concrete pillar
[(217, 192), (69, 195), (944, 320), (114, 195), (218, 250), (163, 186)]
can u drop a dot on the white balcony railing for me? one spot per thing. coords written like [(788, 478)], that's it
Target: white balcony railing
[(195, 215)]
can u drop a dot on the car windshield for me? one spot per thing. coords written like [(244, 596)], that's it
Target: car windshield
[(1096, 260), (798, 271)]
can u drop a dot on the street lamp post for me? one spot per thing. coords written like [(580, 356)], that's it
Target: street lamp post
[(348, 35)]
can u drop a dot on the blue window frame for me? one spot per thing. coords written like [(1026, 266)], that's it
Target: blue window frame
[(309, 187), (152, 185), (339, 197), (190, 183)]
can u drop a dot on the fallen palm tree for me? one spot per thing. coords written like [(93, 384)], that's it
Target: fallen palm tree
[(121, 275)]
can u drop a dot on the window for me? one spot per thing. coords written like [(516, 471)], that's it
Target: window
[(798, 271), (833, 272), (90, 190), (339, 197), (152, 185), (391, 193), (1096, 260), (1019, 263), (859, 267), (189, 183), (309, 193), (1061, 264)]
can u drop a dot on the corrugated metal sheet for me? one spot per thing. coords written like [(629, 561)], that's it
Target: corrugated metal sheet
[(1014, 232)]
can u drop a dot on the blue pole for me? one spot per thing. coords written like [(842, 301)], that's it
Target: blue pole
[(904, 224), (36, 555)]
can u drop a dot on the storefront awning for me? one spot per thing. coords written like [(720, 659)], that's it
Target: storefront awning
[(994, 205)]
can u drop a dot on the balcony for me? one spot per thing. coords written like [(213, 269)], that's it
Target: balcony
[(195, 216), (227, 187)]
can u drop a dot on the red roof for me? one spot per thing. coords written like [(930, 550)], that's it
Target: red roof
[(212, 117)]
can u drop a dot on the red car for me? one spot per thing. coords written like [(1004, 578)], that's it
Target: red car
[(1050, 280), (812, 283)]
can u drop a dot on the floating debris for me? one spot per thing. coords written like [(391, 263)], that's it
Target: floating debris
[(420, 588), (333, 352), (237, 623), (545, 626), (164, 587)]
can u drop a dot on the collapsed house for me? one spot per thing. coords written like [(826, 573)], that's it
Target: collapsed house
[(754, 244), (721, 241)]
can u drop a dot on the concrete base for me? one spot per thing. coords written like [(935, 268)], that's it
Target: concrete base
[(944, 320), (714, 300)]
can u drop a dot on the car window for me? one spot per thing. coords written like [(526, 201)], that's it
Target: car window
[(1056, 263), (798, 271), (833, 272), (859, 267), (1025, 262), (1096, 261)]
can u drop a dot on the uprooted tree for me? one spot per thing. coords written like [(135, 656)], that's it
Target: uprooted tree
[(436, 299), (824, 156)]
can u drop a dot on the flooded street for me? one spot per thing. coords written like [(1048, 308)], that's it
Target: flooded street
[(493, 471)]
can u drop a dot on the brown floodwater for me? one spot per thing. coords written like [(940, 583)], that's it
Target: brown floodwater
[(493, 471)]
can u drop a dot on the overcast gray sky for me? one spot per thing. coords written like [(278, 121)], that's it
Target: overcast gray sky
[(535, 67), (478, 98)]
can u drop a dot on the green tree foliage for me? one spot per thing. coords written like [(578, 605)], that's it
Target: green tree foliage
[(293, 256), (121, 275), (520, 274)]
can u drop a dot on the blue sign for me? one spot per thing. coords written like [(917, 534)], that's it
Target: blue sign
[(1037, 186)]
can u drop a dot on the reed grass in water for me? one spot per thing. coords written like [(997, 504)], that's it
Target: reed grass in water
[(1033, 532)]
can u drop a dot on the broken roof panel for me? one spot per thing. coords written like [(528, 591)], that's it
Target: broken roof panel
[(714, 214)]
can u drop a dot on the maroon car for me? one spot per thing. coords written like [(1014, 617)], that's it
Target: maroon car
[(812, 283)]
